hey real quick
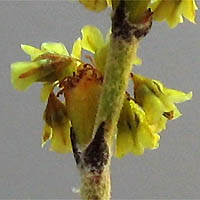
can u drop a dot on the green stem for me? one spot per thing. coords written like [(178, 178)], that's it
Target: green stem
[(95, 186), (122, 52), (94, 162), (95, 183), (118, 68)]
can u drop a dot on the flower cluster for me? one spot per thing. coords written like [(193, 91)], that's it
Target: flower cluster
[(143, 116), (171, 11), (49, 65), (146, 115)]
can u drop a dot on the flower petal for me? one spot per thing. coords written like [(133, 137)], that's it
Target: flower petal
[(76, 50), (61, 142), (92, 38), (31, 51), (173, 11), (188, 8), (146, 137), (177, 96), (54, 47), (124, 143), (45, 91), (23, 74)]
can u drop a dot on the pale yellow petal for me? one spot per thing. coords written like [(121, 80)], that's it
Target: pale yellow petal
[(174, 18), (177, 96), (76, 50), (100, 58), (31, 51), (92, 38), (45, 91), (146, 137), (162, 10), (188, 9), (124, 143), (151, 104), (54, 47), (23, 74), (61, 142)]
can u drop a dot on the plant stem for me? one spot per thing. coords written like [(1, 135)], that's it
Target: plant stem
[(94, 166), (118, 68), (94, 162), (96, 186), (124, 43)]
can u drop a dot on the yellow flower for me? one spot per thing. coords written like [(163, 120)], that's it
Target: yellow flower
[(173, 11), (157, 101), (134, 133), (82, 92), (141, 118), (49, 64), (57, 126), (94, 42), (96, 5)]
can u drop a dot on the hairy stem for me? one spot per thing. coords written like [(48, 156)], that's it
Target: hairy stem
[(96, 183), (94, 166), (94, 162), (96, 186), (119, 65), (122, 52)]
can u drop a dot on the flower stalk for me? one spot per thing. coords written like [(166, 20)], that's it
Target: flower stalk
[(122, 53)]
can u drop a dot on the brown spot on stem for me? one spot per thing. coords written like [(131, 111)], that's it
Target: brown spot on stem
[(125, 29), (97, 153)]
